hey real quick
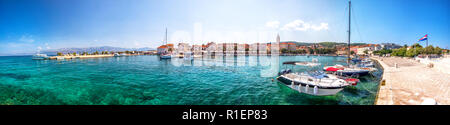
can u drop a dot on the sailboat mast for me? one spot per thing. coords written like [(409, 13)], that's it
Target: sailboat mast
[(349, 24), (165, 40)]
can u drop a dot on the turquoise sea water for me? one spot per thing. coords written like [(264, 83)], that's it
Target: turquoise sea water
[(147, 80)]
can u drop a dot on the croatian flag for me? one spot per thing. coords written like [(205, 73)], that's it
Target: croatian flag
[(424, 38)]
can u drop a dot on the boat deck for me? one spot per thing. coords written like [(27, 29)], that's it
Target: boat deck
[(309, 80)]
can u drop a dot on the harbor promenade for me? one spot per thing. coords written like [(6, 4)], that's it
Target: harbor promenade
[(410, 82)]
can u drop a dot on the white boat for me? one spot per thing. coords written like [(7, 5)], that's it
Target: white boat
[(321, 85), (188, 56), (40, 56), (165, 56), (366, 63), (301, 63)]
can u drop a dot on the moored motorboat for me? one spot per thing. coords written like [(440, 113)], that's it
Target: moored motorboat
[(348, 71), (314, 84), (353, 72), (301, 63)]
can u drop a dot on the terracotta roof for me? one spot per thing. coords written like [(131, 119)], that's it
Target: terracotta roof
[(161, 47)]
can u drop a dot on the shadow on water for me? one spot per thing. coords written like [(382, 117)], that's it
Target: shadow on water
[(15, 76)]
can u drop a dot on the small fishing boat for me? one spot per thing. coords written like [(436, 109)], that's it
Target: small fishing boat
[(314, 84), (39, 56), (165, 56)]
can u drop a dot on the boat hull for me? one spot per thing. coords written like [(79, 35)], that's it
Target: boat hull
[(165, 57), (301, 87), (359, 73)]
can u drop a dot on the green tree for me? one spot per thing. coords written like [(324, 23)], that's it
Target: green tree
[(74, 53), (399, 52), (352, 52), (416, 45), (59, 54), (366, 51), (429, 49), (437, 50), (410, 53)]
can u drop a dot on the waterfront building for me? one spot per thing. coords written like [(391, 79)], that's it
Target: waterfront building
[(229, 48), (197, 49), (354, 49), (253, 49), (342, 51), (162, 49), (390, 46), (284, 46), (292, 46), (263, 48), (360, 51), (288, 46), (220, 49), (183, 47), (241, 49), (168, 48)]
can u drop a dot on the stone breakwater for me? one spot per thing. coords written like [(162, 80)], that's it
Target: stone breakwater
[(409, 82)]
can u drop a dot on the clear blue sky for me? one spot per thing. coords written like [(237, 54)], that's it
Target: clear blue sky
[(29, 25)]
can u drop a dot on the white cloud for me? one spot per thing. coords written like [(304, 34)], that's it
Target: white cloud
[(273, 24), (323, 26), (26, 38), (46, 46), (300, 25)]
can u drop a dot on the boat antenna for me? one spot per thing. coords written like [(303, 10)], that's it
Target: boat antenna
[(349, 24)]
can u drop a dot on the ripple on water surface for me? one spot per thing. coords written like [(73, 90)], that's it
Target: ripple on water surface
[(146, 80)]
